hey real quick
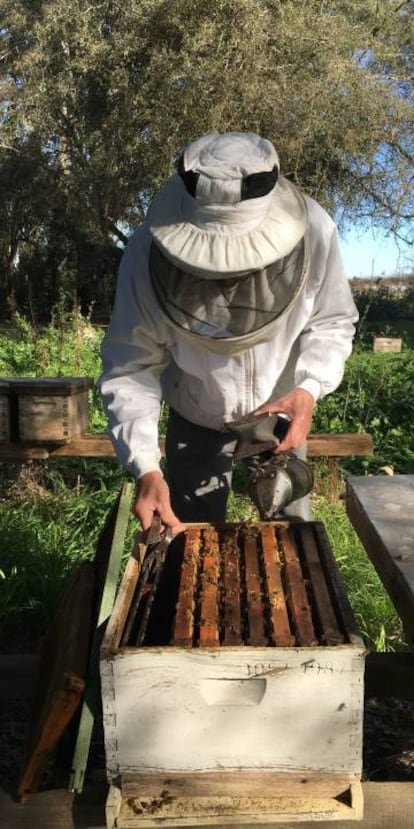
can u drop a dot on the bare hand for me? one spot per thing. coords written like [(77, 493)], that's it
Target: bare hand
[(153, 495), (298, 405)]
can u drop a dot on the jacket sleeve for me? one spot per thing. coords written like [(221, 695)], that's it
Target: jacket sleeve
[(133, 357), (326, 340)]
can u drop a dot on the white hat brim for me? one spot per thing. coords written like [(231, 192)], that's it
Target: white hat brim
[(226, 248)]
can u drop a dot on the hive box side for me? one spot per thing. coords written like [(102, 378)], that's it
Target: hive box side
[(109, 650), (239, 708), (49, 409), (53, 418)]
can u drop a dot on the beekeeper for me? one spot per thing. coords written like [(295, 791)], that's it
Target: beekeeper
[(231, 298)]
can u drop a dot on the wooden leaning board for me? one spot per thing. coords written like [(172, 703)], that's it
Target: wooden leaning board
[(381, 509), (243, 702), (68, 671)]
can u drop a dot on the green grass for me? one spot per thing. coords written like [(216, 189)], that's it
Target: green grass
[(376, 617), (50, 519)]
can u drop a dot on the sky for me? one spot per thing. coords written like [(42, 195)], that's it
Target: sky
[(366, 254)]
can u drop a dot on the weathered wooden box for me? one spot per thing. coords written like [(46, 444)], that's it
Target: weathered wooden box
[(47, 409), (243, 701), (388, 344)]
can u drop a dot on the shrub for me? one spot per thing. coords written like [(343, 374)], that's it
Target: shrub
[(376, 396)]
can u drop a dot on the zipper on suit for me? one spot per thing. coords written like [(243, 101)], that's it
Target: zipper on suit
[(248, 379)]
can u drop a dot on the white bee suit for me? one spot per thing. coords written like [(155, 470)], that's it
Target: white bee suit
[(148, 357)]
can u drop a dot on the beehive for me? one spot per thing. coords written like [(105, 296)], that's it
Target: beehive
[(242, 701), (388, 344), (48, 409)]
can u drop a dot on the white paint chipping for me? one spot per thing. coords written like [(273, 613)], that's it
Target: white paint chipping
[(204, 710)]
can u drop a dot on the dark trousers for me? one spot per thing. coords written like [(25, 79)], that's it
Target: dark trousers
[(199, 472)]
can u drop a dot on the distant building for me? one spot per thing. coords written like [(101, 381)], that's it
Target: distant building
[(396, 284)]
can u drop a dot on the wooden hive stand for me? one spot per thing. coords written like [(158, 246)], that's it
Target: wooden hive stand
[(334, 447)]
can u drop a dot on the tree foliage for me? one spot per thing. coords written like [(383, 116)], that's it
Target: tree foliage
[(98, 98), (385, 304)]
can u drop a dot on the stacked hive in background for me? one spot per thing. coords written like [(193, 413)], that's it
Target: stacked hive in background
[(43, 409)]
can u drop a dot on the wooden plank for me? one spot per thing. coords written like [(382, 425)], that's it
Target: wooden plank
[(229, 810), (49, 386), (381, 509), (94, 446), (18, 452), (113, 806), (336, 585), (61, 709), (387, 805), (116, 624), (279, 618), (110, 550), (339, 445), (182, 805), (296, 592), (333, 479), (65, 646), (330, 632), (139, 601), (209, 608), (232, 784), (63, 666), (254, 590), (232, 609), (87, 446), (183, 632)]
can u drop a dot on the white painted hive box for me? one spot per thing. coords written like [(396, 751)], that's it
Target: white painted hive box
[(248, 674)]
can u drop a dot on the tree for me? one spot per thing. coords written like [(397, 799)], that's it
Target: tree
[(98, 98)]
